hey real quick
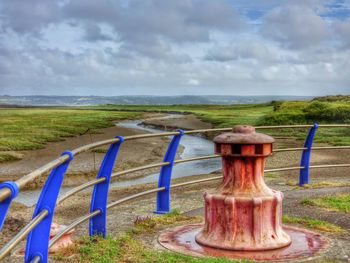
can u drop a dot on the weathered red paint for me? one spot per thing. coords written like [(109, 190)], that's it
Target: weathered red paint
[(244, 214), (64, 241), (305, 244)]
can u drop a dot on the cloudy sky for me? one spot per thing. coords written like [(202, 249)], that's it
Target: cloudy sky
[(111, 47)]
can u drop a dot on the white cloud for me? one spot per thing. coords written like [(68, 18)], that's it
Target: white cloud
[(173, 47), (295, 26)]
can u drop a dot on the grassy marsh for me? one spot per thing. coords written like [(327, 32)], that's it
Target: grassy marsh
[(314, 224), (274, 113), (340, 203), (129, 248), (31, 128)]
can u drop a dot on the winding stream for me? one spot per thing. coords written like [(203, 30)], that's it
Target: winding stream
[(193, 146)]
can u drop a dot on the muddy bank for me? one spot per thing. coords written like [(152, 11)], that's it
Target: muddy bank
[(86, 164), (185, 122)]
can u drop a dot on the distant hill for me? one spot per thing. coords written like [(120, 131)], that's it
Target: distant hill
[(333, 98), (139, 100)]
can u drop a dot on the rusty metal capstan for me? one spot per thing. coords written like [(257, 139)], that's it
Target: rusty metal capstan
[(244, 213)]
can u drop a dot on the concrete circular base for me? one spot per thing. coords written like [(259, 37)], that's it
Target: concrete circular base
[(305, 244)]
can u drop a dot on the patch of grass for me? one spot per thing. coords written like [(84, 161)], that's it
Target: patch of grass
[(340, 203), (272, 175), (154, 224), (313, 224), (128, 247), (321, 185), (31, 128), (5, 157), (99, 150)]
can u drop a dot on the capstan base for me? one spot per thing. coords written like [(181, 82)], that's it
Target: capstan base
[(305, 244)]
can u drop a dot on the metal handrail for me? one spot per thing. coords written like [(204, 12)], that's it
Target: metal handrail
[(80, 188), (96, 181), (330, 147), (90, 215), (23, 233), (289, 149), (197, 158), (155, 190), (100, 180), (140, 168), (26, 230), (77, 222), (330, 165), (5, 192), (284, 169)]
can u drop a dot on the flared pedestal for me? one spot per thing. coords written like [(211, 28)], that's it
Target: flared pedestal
[(243, 223)]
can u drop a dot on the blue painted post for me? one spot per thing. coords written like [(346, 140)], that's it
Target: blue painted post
[(100, 194), (5, 205), (163, 197), (38, 239), (305, 158)]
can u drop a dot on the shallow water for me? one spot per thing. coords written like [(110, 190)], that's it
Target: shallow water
[(193, 146)]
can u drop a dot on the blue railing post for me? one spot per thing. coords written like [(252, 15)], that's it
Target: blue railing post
[(38, 239), (5, 205), (163, 197), (100, 194), (305, 158)]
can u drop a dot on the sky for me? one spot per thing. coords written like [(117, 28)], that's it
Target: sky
[(167, 47)]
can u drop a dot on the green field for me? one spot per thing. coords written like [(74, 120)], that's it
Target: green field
[(31, 128), (321, 110), (339, 203), (28, 129)]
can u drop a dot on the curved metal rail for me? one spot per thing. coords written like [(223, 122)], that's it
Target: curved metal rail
[(22, 234), (155, 190), (330, 165), (90, 215), (32, 224), (206, 157)]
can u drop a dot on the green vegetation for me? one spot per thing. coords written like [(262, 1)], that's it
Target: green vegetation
[(302, 112), (218, 115), (5, 157), (27, 129), (313, 224), (320, 110), (128, 247), (31, 128), (320, 185), (340, 203)]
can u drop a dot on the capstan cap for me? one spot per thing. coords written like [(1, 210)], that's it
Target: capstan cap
[(243, 134)]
